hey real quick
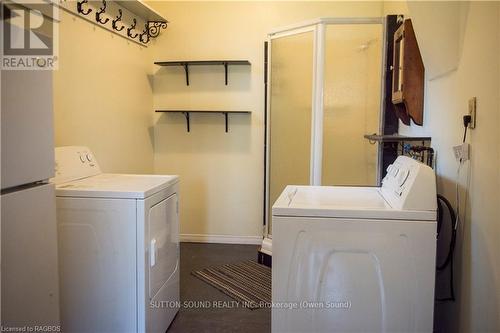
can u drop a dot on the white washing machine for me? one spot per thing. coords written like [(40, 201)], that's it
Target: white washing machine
[(118, 240), (356, 259)]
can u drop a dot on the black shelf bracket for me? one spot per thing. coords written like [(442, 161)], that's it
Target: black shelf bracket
[(227, 121), (186, 70), (154, 27), (186, 114), (225, 76)]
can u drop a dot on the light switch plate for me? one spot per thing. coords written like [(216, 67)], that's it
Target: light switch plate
[(472, 112)]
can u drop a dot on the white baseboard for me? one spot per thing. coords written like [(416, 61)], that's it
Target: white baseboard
[(221, 239)]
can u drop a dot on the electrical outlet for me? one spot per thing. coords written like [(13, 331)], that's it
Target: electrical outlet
[(472, 112), (461, 152)]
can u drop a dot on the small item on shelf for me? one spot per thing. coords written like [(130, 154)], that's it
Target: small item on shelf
[(407, 76)]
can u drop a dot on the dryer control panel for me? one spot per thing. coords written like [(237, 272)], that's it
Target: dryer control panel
[(410, 185), (74, 162)]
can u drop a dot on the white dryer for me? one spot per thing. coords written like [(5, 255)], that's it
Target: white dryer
[(118, 240), (356, 259)]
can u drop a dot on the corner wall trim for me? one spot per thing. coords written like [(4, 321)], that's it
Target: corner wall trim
[(221, 239)]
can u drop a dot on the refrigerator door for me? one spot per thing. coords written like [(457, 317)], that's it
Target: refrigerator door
[(27, 134), (30, 292)]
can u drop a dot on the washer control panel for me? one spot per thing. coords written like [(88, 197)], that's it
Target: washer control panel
[(410, 184), (396, 177), (74, 162)]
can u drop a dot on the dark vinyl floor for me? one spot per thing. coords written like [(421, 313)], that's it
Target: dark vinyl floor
[(206, 309)]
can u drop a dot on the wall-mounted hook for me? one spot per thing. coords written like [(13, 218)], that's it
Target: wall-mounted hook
[(132, 27), (117, 19), (80, 9), (101, 11), (144, 37)]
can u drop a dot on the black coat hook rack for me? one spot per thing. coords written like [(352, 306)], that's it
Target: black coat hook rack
[(152, 27), (79, 7), (101, 11), (132, 27), (116, 20)]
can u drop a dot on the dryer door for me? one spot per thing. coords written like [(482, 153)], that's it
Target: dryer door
[(163, 243)]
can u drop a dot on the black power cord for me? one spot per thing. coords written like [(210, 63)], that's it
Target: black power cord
[(453, 217), (467, 121), (449, 257), (454, 231)]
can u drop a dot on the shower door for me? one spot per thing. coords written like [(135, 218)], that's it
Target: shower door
[(324, 89), (352, 93), (290, 99)]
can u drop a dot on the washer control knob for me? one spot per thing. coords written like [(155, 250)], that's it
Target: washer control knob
[(82, 159), (89, 157)]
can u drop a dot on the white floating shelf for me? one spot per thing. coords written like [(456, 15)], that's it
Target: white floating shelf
[(141, 9)]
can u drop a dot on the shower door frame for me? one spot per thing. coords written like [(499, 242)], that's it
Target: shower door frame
[(318, 28)]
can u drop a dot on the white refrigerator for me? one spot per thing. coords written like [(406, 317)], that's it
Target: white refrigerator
[(29, 270)]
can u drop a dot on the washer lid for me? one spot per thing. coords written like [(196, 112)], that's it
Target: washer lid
[(107, 185), (342, 202)]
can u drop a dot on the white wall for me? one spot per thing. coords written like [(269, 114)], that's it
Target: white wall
[(478, 265), (222, 173), (103, 96)]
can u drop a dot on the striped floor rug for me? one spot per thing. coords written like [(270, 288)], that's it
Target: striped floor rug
[(247, 282)]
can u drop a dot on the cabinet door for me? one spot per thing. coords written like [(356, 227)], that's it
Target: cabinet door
[(27, 127)]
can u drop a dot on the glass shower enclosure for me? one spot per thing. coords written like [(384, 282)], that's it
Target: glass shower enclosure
[(324, 94)]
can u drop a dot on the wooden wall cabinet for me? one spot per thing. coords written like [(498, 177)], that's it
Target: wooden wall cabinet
[(408, 76)]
